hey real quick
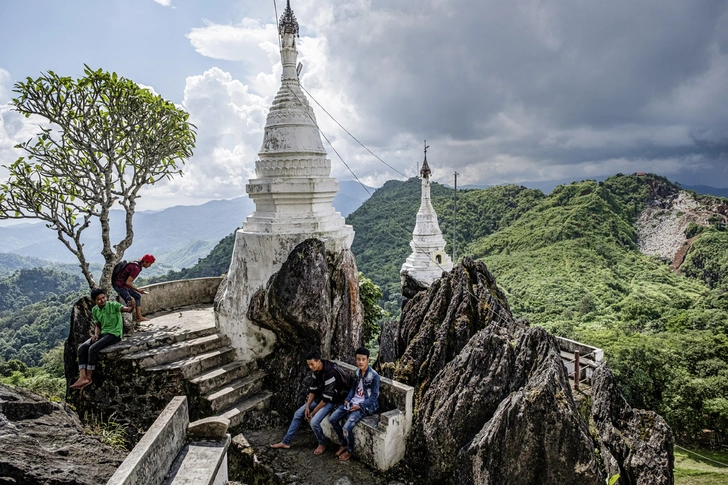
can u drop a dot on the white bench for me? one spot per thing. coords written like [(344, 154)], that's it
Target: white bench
[(381, 438)]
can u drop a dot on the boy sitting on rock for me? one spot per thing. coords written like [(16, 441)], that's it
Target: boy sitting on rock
[(109, 327), (362, 400)]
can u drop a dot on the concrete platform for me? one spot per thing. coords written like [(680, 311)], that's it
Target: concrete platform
[(167, 328)]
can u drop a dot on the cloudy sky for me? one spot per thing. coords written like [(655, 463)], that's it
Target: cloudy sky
[(505, 91)]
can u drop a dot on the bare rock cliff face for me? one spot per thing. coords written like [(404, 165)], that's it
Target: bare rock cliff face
[(43, 443), (493, 403), (312, 302)]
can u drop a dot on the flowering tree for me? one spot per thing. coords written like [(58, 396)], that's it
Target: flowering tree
[(106, 138)]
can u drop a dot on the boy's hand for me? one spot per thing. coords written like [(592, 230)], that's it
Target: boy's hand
[(355, 407), (131, 303)]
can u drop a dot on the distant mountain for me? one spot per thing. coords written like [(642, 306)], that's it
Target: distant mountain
[(707, 190), (177, 236)]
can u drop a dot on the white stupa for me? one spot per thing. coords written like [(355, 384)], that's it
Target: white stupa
[(293, 195), (428, 259)]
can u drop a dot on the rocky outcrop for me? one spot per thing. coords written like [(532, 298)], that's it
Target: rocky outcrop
[(662, 224), (311, 302), (492, 397), (120, 386), (410, 286), (43, 443), (635, 443), (82, 328)]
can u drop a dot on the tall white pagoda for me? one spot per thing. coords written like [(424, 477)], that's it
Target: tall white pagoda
[(293, 194), (428, 259)]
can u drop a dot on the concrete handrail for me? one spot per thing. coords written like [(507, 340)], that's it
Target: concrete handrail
[(179, 293), (149, 461)]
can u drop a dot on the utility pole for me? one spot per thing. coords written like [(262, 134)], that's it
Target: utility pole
[(455, 218)]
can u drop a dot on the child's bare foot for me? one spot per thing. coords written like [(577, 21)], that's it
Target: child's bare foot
[(85, 384), (142, 319), (319, 450), (341, 450), (80, 383), (280, 445), (345, 456)]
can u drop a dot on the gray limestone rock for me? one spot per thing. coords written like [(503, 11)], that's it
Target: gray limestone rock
[(640, 443), (312, 302), (82, 328), (210, 429), (410, 286), (46, 445), (493, 400)]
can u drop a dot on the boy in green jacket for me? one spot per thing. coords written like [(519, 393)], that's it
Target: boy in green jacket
[(109, 327)]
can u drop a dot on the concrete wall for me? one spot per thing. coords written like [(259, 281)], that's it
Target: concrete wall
[(149, 461), (175, 294)]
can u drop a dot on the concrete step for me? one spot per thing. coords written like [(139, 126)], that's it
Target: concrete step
[(179, 350), (236, 413), (151, 340), (195, 365), (219, 377), (225, 396)]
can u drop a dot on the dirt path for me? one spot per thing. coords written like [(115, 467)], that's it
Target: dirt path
[(299, 465)]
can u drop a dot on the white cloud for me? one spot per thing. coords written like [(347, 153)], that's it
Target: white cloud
[(229, 120), (165, 3), (14, 127)]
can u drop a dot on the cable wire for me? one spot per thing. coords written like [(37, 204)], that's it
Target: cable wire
[(352, 136), (278, 26), (491, 311)]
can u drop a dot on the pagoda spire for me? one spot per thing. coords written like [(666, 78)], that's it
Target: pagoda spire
[(428, 259), (425, 171), (288, 23)]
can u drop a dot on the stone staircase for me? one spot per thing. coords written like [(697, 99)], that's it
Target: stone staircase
[(187, 343)]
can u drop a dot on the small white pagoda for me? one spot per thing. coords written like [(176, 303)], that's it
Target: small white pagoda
[(428, 259), (293, 194)]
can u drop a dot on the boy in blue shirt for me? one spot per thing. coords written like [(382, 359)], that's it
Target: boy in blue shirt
[(362, 400), (109, 328)]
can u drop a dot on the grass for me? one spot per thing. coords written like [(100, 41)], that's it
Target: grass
[(691, 469), (109, 432)]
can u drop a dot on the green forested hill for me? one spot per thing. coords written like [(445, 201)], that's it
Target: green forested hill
[(384, 224), (214, 264), (34, 311), (571, 264), (32, 285)]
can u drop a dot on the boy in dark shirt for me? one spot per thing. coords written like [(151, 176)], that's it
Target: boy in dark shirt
[(326, 391), (109, 327)]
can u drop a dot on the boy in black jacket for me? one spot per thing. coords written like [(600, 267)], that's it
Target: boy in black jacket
[(326, 391)]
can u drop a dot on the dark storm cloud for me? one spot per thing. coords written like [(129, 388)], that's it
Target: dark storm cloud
[(580, 81)]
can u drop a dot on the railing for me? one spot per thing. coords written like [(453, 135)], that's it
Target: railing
[(580, 360)]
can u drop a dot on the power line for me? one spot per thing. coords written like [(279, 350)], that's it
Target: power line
[(348, 133), (278, 26), (491, 311)]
